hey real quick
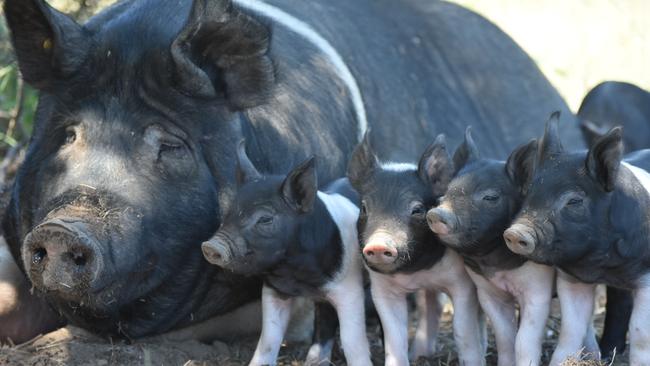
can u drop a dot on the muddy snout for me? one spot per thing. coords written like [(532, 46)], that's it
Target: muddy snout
[(380, 249), (62, 255), (520, 239), (217, 251), (441, 221)]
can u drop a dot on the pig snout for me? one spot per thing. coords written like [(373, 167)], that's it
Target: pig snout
[(520, 239), (380, 249), (217, 251), (61, 255), (441, 221)]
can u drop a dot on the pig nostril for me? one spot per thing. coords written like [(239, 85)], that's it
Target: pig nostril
[(38, 255), (388, 254), (523, 243), (79, 259)]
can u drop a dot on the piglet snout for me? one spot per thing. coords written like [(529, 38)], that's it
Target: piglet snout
[(440, 221), (380, 250), (520, 239), (217, 252)]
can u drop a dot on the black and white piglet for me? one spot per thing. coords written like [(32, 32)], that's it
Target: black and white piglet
[(588, 213), (302, 242), (480, 203), (404, 256)]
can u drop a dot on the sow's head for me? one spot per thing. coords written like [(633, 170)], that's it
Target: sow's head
[(118, 187), (393, 231), (262, 223), (567, 214)]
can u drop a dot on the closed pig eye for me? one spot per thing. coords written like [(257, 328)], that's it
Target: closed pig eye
[(264, 220), (574, 201), (490, 198)]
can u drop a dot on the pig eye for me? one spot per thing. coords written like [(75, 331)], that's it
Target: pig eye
[(264, 220), (70, 135), (574, 201), (418, 209), (490, 198), (167, 146)]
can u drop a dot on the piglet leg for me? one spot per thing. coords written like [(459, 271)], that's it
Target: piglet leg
[(325, 325), (468, 324), (640, 326), (426, 334), (577, 306), (393, 313), (350, 307), (534, 312), (276, 312), (504, 321)]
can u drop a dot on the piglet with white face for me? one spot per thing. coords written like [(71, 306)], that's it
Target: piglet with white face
[(404, 256)]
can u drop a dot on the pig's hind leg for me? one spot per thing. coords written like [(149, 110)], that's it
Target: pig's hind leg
[(276, 312), (325, 325), (640, 326), (426, 334)]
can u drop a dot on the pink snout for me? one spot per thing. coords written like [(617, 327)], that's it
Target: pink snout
[(379, 253)]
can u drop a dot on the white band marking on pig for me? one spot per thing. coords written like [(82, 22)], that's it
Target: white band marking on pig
[(305, 30), (641, 175), (345, 214), (398, 167)]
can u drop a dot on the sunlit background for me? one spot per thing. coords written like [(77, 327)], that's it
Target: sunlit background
[(576, 43)]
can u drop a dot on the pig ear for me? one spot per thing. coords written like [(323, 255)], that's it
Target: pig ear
[(520, 164), (363, 162), (435, 167), (591, 131), (222, 52), (604, 158), (245, 169), (550, 144), (300, 186), (466, 152), (49, 45)]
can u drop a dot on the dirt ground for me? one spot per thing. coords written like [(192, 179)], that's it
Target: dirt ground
[(74, 346)]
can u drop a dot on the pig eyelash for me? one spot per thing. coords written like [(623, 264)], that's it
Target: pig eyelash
[(574, 201)]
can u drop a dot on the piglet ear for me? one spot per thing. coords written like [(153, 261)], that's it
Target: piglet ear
[(49, 45), (222, 52), (520, 164), (435, 167), (363, 162), (604, 158), (300, 186), (246, 171), (550, 144), (467, 152)]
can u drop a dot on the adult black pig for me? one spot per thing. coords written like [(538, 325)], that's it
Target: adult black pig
[(616, 103), (142, 107)]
